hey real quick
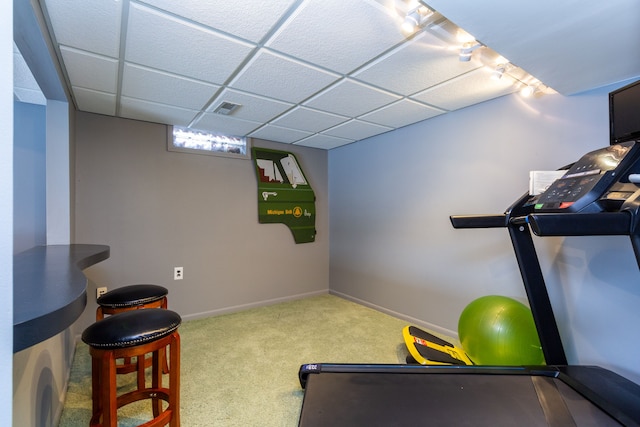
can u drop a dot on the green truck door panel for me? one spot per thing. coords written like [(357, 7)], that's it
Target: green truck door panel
[(284, 194)]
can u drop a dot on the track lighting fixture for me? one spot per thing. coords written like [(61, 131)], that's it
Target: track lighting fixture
[(498, 71), (415, 18), (467, 49), (529, 90)]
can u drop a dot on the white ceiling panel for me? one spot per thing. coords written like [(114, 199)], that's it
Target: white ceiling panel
[(280, 134), (306, 119), (164, 88), (356, 130), (350, 98), (571, 46), (326, 142), (94, 101), (340, 35), (26, 88), (162, 41), (252, 107), (402, 113), (241, 18), (219, 123), (423, 62), (152, 112), (91, 25), (471, 88), (91, 71), (326, 72), (276, 76)]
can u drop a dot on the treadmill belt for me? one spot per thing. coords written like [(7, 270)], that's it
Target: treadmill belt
[(384, 399)]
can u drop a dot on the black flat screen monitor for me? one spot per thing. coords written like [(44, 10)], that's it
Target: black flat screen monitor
[(624, 113)]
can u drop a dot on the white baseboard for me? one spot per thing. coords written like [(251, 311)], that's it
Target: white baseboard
[(417, 322), (241, 307)]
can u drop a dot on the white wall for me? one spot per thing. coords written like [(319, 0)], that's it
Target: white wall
[(29, 197), (6, 210), (392, 244)]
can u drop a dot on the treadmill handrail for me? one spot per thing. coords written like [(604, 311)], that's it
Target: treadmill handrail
[(479, 221), (578, 224)]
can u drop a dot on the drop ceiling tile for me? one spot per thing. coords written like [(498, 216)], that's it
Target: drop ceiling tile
[(93, 101), (91, 25), (401, 113), (325, 142), (469, 89), (356, 130), (165, 42), (338, 34), (252, 107), (251, 20), (219, 123), (29, 96), (309, 120), (422, 63), (152, 112), (275, 76), (89, 70), (164, 88), (22, 76), (279, 134), (351, 98)]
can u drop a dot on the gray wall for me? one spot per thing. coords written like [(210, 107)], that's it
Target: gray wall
[(392, 245), (158, 209)]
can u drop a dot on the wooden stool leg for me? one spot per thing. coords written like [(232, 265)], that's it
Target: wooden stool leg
[(156, 382), (140, 360), (107, 382), (174, 380)]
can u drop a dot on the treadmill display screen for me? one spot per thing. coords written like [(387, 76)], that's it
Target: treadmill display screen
[(577, 188)]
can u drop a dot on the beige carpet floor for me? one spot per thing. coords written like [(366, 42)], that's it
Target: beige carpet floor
[(241, 369)]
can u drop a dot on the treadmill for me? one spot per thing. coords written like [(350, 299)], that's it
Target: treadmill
[(597, 195)]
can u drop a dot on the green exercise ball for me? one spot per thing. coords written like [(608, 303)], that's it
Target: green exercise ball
[(497, 330)]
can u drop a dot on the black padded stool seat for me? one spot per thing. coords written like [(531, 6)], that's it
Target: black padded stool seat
[(131, 328), (132, 296), (128, 334)]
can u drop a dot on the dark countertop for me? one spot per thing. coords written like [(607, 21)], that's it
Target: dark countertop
[(50, 289)]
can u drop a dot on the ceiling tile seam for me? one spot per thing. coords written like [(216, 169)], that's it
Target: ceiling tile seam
[(124, 27), (192, 23), (247, 60), (449, 80), (170, 74), (346, 140), (323, 132), (347, 120)]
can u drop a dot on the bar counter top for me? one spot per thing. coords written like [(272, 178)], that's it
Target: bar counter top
[(50, 289)]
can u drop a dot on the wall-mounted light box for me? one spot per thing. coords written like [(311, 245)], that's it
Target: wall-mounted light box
[(195, 141)]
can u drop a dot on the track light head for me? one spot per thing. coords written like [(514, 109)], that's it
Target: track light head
[(467, 49)]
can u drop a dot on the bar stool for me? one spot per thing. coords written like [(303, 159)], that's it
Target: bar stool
[(133, 297), (134, 334)]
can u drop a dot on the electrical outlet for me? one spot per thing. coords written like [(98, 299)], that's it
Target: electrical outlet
[(100, 292), (178, 273)]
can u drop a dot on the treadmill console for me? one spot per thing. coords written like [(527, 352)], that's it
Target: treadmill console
[(588, 180)]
